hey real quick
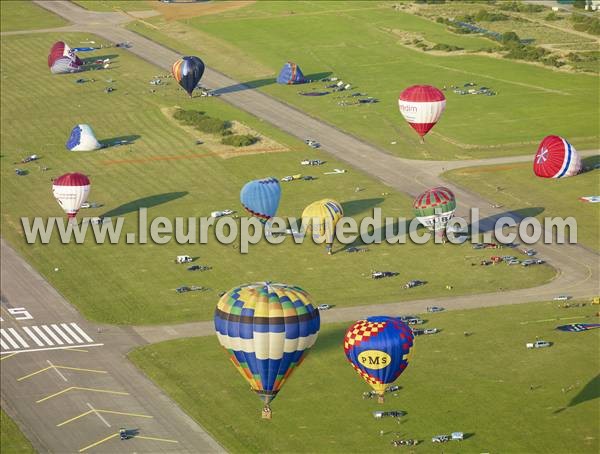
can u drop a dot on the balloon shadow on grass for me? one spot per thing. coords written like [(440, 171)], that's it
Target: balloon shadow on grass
[(144, 202), (121, 140), (590, 163), (330, 339), (354, 207), (252, 84), (487, 224), (91, 60)]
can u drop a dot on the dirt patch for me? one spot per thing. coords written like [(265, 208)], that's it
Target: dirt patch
[(213, 144), (177, 11)]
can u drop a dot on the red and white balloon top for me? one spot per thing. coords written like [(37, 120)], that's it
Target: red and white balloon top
[(70, 191), (556, 158), (422, 106)]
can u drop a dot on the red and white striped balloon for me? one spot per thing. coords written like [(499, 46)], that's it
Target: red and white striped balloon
[(70, 191), (422, 106), (556, 158)]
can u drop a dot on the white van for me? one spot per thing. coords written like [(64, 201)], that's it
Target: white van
[(183, 259)]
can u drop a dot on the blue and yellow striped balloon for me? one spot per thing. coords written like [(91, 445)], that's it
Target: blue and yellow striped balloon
[(267, 329)]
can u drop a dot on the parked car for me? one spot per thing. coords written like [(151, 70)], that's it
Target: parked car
[(430, 331), (308, 177), (312, 162), (529, 252), (478, 246), (435, 309), (486, 262), (491, 246), (183, 289), (382, 274), (218, 214), (312, 143), (538, 344), (292, 177), (508, 258), (458, 436), (33, 157), (20, 172), (562, 298), (183, 259), (440, 439), (527, 262), (539, 261), (414, 283), (414, 321), (323, 307), (495, 259), (514, 262), (392, 413), (199, 268)]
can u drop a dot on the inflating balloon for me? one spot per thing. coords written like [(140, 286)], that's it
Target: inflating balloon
[(378, 349), (70, 191), (290, 74), (261, 198), (188, 71), (267, 329), (320, 218), (556, 158), (422, 106), (82, 138)]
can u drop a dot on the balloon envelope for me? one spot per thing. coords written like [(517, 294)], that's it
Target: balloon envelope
[(64, 65), (422, 106), (59, 50), (556, 158), (70, 191), (321, 217), (290, 74), (267, 329), (188, 71), (378, 349), (261, 198), (82, 138), (435, 207)]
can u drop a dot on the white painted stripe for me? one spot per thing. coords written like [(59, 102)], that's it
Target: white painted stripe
[(63, 335), (42, 335), (32, 336), (98, 414), (4, 345), (71, 333), (81, 332), (49, 348), (56, 370), (18, 337), (52, 335), (9, 339)]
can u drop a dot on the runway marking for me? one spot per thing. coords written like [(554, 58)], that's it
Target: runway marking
[(70, 388), (33, 336), (42, 335), (156, 439), (7, 356), (63, 335), (56, 367), (19, 338), (56, 370), (67, 334), (98, 414), (98, 442), (98, 410), (6, 352), (8, 338)]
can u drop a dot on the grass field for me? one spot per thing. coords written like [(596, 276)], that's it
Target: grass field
[(105, 6), (137, 282), (12, 440), (359, 42), (522, 189), (26, 15), (478, 384)]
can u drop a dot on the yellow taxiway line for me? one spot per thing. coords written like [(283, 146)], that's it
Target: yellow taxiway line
[(156, 439), (96, 410), (70, 388), (53, 366), (99, 441), (2, 358)]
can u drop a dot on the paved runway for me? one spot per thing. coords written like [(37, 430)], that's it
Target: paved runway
[(68, 383)]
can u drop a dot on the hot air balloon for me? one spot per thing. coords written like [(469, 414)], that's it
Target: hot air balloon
[(59, 50), (320, 218), (556, 158), (435, 207), (70, 191), (82, 138), (267, 329), (64, 65), (188, 72), (378, 348), (290, 74), (422, 106), (261, 198)]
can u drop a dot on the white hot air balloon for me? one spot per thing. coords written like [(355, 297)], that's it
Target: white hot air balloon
[(70, 191)]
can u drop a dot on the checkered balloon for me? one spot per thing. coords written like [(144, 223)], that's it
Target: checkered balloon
[(378, 348)]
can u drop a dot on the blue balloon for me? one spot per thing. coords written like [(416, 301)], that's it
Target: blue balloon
[(261, 198)]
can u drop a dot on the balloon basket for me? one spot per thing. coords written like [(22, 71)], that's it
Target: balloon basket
[(380, 400), (422, 140), (266, 413)]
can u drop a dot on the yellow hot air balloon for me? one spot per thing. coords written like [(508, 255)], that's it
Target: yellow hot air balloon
[(320, 218)]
